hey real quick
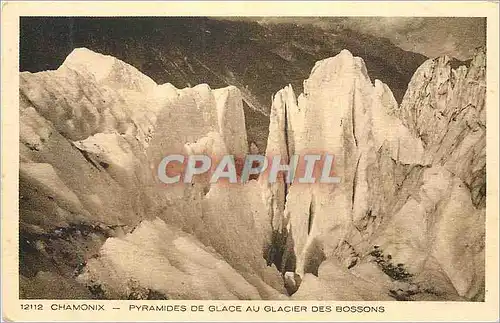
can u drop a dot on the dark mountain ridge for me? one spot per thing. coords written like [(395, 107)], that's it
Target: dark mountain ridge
[(185, 51)]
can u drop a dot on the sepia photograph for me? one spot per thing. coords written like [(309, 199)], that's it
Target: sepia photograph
[(399, 103), (310, 164)]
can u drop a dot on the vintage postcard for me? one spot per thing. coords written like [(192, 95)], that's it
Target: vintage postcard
[(250, 161)]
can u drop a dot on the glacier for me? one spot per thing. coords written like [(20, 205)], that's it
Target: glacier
[(406, 222)]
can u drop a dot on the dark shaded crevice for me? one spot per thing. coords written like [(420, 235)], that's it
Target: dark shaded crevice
[(257, 128), (314, 257), (286, 131), (32, 147), (353, 118), (280, 251), (86, 155), (104, 165), (289, 258), (292, 284), (348, 254), (311, 216), (363, 223), (455, 63), (287, 148), (354, 181), (354, 259)]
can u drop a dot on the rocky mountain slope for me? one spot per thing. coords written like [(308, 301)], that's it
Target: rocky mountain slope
[(186, 51), (405, 223)]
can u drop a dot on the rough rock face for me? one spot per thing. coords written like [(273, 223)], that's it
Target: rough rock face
[(408, 215), (92, 135), (406, 222), (446, 108)]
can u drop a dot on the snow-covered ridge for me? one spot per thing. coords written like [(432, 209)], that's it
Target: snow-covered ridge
[(93, 133)]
